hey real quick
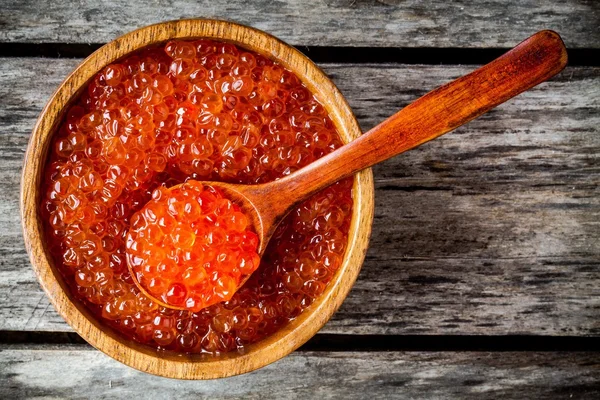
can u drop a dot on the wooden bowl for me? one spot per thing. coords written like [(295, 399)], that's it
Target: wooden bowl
[(134, 354)]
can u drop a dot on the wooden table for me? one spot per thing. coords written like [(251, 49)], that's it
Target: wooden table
[(483, 275)]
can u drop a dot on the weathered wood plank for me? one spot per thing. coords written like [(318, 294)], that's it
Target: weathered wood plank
[(80, 372), (492, 229), (382, 23)]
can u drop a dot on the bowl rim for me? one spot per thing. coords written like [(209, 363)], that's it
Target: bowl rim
[(142, 357)]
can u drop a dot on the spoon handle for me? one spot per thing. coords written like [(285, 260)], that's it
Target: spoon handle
[(533, 61)]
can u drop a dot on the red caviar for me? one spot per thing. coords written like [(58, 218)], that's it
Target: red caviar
[(190, 247), (203, 110)]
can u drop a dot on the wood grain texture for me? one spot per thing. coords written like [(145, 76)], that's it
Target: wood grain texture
[(492, 229), (80, 372), (381, 23), (94, 330)]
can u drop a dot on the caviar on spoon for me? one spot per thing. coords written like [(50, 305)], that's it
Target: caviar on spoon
[(533, 61), (190, 247)]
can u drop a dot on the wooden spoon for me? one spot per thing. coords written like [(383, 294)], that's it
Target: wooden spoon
[(533, 61)]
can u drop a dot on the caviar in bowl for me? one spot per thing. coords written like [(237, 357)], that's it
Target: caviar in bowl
[(175, 119)]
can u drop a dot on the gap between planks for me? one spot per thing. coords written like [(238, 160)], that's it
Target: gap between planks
[(588, 57), (367, 343)]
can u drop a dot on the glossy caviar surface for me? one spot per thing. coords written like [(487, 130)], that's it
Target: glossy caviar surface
[(189, 247), (203, 110)]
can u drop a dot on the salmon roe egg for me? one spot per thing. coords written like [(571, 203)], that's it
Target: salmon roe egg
[(190, 246), (190, 110)]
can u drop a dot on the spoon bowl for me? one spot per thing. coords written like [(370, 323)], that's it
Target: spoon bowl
[(262, 220)]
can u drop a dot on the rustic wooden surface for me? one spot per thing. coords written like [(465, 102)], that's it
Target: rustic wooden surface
[(382, 23), (491, 230), (79, 372)]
